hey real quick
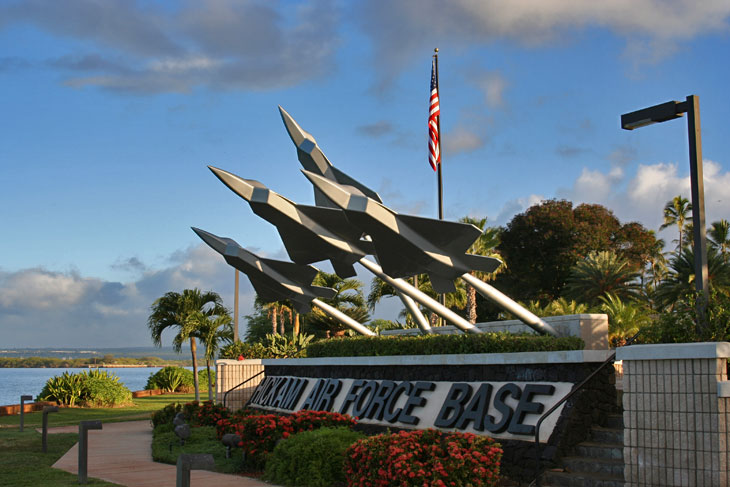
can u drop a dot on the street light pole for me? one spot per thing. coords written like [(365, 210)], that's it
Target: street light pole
[(669, 111)]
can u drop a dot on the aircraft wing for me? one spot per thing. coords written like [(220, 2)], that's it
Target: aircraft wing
[(301, 274), (264, 292), (302, 247), (333, 220), (454, 237)]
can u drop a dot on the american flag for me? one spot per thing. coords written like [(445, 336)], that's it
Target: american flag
[(434, 142)]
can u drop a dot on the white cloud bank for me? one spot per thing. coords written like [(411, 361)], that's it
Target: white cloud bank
[(40, 308)]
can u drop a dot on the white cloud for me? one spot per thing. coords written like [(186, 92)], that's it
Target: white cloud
[(492, 84), (642, 198), (46, 308), (651, 27), (462, 139)]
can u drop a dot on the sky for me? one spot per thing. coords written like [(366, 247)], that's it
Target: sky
[(110, 111)]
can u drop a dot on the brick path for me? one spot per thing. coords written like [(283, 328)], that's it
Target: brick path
[(120, 453)]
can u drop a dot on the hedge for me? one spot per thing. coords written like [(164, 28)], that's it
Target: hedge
[(441, 344)]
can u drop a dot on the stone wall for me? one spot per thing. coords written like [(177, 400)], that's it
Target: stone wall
[(676, 413), (590, 406)]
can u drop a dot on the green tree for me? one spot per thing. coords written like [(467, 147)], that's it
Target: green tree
[(175, 310), (677, 212), (720, 237), (599, 274), (542, 244), (484, 245)]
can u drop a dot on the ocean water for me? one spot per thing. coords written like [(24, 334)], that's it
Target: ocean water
[(17, 382)]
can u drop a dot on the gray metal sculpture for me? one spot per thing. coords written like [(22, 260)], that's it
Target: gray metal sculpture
[(408, 245), (313, 159), (275, 280), (312, 234)]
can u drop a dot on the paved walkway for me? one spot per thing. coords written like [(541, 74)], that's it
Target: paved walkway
[(120, 453)]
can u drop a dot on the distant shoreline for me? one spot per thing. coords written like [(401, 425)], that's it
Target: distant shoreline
[(85, 363)]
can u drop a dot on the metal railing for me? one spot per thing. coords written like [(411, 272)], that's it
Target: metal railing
[(538, 448), (239, 385)]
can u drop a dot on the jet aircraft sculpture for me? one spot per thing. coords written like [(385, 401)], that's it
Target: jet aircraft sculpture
[(308, 151), (313, 159), (311, 234), (409, 245), (275, 280)]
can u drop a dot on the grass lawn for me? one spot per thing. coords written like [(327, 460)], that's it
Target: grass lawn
[(22, 464), (142, 409)]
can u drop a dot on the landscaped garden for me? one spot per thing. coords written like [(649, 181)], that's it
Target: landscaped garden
[(318, 449)]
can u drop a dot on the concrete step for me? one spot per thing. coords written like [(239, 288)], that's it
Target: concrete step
[(615, 421), (565, 479), (583, 465), (607, 451), (607, 435)]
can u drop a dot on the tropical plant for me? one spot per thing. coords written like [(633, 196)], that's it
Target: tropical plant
[(625, 318), (720, 237), (681, 277), (281, 346), (348, 299), (563, 307), (175, 310), (90, 388), (677, 212), (484, 245), (601, 273), (168, 379), (213, 331), (682, 324)]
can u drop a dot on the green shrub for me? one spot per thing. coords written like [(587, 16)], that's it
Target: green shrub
[(246, 350), (273, 346), (89, 388), (169, 379), (106, 390), (166, 414), (440, 344), (312, 458), (679, 325), (177, 379)]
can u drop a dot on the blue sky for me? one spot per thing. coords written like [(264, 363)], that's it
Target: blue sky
[(111, 111)]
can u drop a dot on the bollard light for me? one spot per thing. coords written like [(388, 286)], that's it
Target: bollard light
[(44, 435), (23, 398), (84, 427)]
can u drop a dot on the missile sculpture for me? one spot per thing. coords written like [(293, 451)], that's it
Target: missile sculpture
[(409, 245), (313, 159), (275, 280), (311, 234)]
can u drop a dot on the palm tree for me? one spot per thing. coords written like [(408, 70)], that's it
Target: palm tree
[(681, 278), (213, 332), (276, 311), (601, 273), (176, 310), (484, 245), (349, 299), (677, 212), (720, 237), (624, 318), (380, 289)]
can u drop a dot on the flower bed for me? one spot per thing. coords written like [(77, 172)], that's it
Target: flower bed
[(425, 457)]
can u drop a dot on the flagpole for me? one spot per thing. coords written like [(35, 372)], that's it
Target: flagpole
[(442, 297)]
